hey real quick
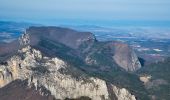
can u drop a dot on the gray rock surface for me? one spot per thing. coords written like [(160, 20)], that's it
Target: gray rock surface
[(125, 57)]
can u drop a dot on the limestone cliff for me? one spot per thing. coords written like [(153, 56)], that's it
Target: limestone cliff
[(45, 72), (125, 57)]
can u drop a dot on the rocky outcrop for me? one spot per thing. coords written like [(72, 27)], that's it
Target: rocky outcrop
[(123, 94), (43, 71), (113, 54), (24, 39), (125, 57), (145, 78), (60, 76)]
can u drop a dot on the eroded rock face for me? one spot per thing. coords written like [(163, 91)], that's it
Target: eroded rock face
[(125, 57), (43, 71), (123, 94)]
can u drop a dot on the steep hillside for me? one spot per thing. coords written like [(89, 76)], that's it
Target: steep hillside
[(8, 49), (61, 79), (72, 64), (83, 45), (156, 79), (18, 90)]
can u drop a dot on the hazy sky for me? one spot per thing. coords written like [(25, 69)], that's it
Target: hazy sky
[(50, 10)]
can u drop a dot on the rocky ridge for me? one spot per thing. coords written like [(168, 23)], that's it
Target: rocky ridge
[(40, 71), (85, 46)]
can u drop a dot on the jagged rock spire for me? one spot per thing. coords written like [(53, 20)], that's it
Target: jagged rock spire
[(24, 39)]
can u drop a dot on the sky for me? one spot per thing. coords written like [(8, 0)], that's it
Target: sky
[(85, 11)]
